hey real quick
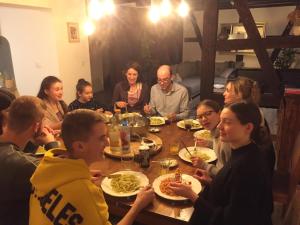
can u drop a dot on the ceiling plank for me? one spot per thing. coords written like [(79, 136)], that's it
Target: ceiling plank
[(210, 28), (247, 19)]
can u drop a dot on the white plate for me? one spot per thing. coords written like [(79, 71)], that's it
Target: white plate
[(196, 186), (172, 162), (161, 120), (184, 155), (201, 134), (106, 187), (196, 124)]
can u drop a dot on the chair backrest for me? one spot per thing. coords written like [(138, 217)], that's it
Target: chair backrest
[(6, 98), (292, 215), (295, 167)]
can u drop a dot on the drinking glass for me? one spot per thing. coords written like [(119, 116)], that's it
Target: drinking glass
[(174, 148), (127, 162), (188, 124), (164, 166)]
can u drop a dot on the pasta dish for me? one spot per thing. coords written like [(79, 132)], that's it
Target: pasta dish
[(204, 134), (164, 185), (201, 155), (125, 183)]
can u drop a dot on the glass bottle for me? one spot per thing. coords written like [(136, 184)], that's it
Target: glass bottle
[(114, 134)]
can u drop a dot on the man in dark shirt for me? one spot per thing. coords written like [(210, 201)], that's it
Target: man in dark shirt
[(23, 122)]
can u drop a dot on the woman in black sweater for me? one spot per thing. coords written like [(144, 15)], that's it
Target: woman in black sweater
[(241, 193)]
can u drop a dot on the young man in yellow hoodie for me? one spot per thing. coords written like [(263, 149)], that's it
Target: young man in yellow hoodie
[(63, 192)]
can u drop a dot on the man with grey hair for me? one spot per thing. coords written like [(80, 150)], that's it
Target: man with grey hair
[(168, 98)]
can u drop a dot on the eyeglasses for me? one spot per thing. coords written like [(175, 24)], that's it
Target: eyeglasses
[(163, 80), (204, 115)]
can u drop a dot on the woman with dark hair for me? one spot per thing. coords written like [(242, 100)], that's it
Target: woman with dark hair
[(84, 97), (241, 193), (131, 93), (208, 114), (51, 92)]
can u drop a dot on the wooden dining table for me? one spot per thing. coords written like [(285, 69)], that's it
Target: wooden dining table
[(161, 211)]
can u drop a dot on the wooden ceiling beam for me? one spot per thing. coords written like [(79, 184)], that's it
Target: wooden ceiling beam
[(268, 43), (196, 29), (210, 29), (226, 4), (270, 75), (242, 44)]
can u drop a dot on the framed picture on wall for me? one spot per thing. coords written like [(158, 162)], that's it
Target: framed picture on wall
[(73, 32), (238, 31)]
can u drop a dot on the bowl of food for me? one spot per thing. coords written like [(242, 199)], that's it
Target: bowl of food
[(138, 125)]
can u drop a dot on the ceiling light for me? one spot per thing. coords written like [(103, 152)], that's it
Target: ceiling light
[(96, 10), (183, 9), (154, 14), (165, 8), (89, 27)]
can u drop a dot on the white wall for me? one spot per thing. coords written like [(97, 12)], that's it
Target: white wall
[(73, 58), (275, 19), (32, 41), (39, 43)]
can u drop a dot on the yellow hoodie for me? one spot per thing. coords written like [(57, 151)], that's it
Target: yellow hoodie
[(63, 193)]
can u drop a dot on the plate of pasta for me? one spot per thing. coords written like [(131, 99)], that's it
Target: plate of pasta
[(124, 183), (206, 154), (161, 183), (157, 120), (203, 134)]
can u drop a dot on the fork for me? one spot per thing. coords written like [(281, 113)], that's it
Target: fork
[(195, 146)]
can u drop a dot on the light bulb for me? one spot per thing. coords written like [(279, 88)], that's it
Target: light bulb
[(183, 9), (89, 27), (165, 8), (109, 7), (154, 14), (96, 10)]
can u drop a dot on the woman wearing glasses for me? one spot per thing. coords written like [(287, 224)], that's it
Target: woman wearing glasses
[(131, 94), (208, 114)]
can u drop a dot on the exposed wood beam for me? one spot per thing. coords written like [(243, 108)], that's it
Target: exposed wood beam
[(210, 28), (286, 32), (261, 53), (196, 29), (225, 4), (268, 42)]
